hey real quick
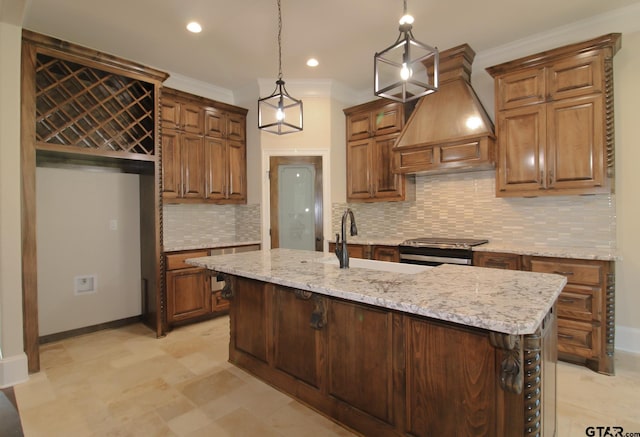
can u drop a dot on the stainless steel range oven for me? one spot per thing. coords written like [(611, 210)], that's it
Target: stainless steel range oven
[(436, 251)]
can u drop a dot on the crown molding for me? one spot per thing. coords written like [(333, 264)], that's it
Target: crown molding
[(622, 20), (199, 88)]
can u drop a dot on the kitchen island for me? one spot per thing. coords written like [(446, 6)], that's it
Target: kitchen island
[(395, 349)]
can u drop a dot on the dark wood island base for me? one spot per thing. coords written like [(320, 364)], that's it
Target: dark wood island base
[(384, 372)]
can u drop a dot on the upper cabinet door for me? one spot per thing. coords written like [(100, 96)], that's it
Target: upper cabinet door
[(358, 170), (170, 113), (236, 127), (359, 126), (575, 144), (192, 117), (388, 119), (521, 149), (237, 169), (386, 183), (192, 156), (171, 173), (214, 123), (577, 76), (520, 89), (215, 164)]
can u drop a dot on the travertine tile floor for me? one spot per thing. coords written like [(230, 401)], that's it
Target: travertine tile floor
[(125, 382)]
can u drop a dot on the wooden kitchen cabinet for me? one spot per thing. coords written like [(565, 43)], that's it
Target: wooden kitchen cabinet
[(355, 250), (181, 115), (497, 260), (360, 341), (292, 332), (387, 373), (377, 118), (188, 288), (386, 253), (252, 299), (372, 129), (204, 156), (554, 114), (586, 310), (366, 251), (225, 170)]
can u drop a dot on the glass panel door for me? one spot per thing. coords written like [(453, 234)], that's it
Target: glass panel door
[(296, 206)]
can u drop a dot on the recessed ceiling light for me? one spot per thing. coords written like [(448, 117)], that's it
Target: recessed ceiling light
[(312, 62), (194, 27)]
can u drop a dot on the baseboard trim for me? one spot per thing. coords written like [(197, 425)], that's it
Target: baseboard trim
[(88, 329), (628, 339), (13, 370)]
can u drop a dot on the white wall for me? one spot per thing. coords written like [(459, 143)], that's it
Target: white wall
[(75, 214), (627, 114), (318, 138)]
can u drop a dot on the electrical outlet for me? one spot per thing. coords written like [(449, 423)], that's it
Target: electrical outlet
[(113, 224), (85, 284)]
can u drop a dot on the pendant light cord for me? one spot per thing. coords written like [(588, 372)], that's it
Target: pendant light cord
[(280, 41)]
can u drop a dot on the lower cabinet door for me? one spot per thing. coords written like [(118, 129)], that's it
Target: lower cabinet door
[(297, 345), (251, 304), (450, 380), (360, 341), (188, 294)]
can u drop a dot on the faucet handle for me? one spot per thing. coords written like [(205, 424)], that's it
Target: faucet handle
[(337, 239)]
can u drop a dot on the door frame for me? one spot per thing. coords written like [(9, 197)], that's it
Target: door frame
[(316, 162), (266, 190)]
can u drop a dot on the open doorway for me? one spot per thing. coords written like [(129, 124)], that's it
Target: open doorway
[(295, 194)]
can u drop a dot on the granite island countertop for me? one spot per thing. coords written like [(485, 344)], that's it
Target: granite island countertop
[(507, 301)]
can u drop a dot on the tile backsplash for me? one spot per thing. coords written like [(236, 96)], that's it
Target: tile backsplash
[(464, 205), (198, 223)]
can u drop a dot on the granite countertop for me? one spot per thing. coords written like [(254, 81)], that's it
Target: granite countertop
[(595, 253), (207, 245), (589, 253), (512, 302)]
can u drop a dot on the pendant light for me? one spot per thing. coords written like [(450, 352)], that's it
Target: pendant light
[(408, 69), (280, 113)]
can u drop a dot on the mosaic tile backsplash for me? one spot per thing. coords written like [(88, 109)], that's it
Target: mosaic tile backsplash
[(463, 205), (193, 224)]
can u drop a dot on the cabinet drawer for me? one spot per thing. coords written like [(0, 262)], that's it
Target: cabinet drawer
[(176, 260), (576, 272), (579, 306), (578, 338), (508, 261)]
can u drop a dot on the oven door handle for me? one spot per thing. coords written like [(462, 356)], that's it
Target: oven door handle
[(435, 259)]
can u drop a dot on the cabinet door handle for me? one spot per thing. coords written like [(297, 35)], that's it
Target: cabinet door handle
[(558, 272), (565, 336), (566, 300)]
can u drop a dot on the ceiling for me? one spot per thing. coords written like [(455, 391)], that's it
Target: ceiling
[(238, 44)]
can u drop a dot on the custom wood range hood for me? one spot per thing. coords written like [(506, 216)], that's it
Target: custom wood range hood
[(449, 130)]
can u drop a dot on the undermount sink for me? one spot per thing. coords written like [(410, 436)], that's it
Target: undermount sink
[(385, 266)]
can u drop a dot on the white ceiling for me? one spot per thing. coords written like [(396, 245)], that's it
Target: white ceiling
[(239, 42)]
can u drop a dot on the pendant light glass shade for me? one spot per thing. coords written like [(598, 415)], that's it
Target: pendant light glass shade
[(280, 113), (400, 70)]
